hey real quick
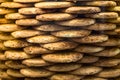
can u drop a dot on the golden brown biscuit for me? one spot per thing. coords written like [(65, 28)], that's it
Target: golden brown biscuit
[(62, 45), (108, 52), (87, 70), (4, 1), (36, 72), (2, 65), (116, 9), (104, 15), (62, 57), (6, 11), (88, 59), (5, 21), (27, 1), (71, 33), (101, 26), (109, 73), (10, 27), (14, 73), (28, 22), (63, 67), (2, 47), (88, 49), (65, 77), (36, 50), (107, 62), (50, 27), (82, 10), (55, 17), (92, 39), (16, 43), (43, 39), (116, 21), (35, 79), (17, 55), (2, 56), (15, 64), (77, 22), (36, 62), (14, 5), (51, 5), (93, 78), (26, 33), (6, 36)]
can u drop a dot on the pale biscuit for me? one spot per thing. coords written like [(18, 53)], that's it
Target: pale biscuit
[(5, 21), (36, 62), (88, 49), (16, 43), (87, 70), (17, 55), (71, 33), (14, 73), (92, 39), (10, 27), (14, 5), (107, 62), (62, 57), (26, 33), (88, 59), (55, 17), (108, 52), (28, 22), (101, 26), (6, 11), (62, 45), (77, 22), (63, 67), (6, 36), (50, 27), (27, 1), (53, 5), (65, 77), (36, 72), (93, 78), (15, 64), (82, 10), (43, 39), (109, 73), (104, 15), (36, 50)]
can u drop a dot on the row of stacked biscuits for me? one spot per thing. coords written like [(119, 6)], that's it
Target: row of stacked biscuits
[(59, 40)]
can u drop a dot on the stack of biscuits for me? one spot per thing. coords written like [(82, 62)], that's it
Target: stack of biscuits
[(59, 40)]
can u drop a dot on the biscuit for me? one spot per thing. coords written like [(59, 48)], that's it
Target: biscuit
[(2, 65), (6, 11), (93, 78), (110, 42), (82, 10), (116, 21), (101, 26), (32, 11), (71, 33), (14, 73), (17, 55), (88, 59), (111, 32), (62, 45), (53, 5), (16, 16), (43, 39), (117, 30), (4, 1), (77, 22), (36, 50), (116, 9), (101, 3), (2, 56), (65, 77), (87, 70), (88, 49), (35, 62), (107, 62), (28, 22), (5, 21), (35, 79), (27, 1), (62, 57), (15, 64), (16, 43), (50, 27), (26, 33), (10, 27), (55, 17), (92, 39), (14, 5), (6, 36), (2, 47), (36, 72), (63, 67), (109, 73), (108, 52), (104, 15)]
